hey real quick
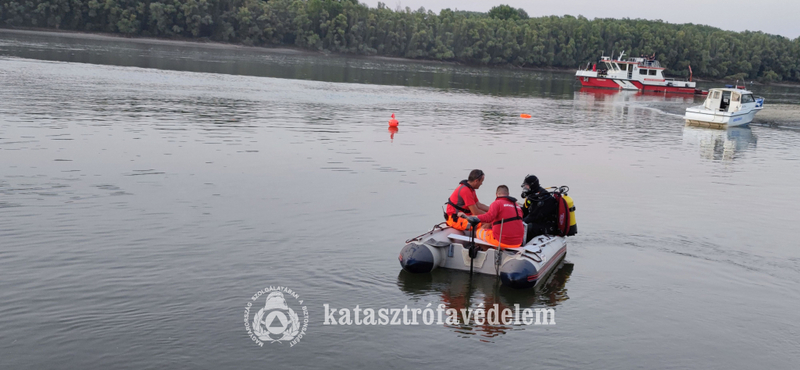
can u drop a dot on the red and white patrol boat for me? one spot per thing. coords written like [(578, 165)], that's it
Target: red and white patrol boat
[(643, 74)]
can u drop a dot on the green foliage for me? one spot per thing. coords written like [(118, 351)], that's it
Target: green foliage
[(506, 12), (770, 76), (503, 37)]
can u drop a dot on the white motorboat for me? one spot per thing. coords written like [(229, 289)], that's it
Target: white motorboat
[(726, 107)]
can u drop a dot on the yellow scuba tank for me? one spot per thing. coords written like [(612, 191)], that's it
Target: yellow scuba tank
[(573, 224)]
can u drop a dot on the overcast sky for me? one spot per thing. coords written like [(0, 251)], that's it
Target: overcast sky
[(780, 17)]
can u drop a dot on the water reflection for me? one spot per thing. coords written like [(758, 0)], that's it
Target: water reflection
[(392, 130), (619, 104), (280, 63), (610, 95), (457, 290), (716, 144)]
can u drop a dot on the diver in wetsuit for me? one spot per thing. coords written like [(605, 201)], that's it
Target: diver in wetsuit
[(540, 210)]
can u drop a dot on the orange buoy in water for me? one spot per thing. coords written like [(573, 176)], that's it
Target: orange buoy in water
[(393, 122), (523, 115)]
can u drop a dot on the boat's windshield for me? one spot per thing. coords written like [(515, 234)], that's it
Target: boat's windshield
[(747, 98)]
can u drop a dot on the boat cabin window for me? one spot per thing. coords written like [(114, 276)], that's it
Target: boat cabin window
[(747, 98), (716, 94), (652, 72), (642, 71)]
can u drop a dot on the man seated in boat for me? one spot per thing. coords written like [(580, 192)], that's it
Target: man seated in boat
[(502, 223), (465, 200), (540, 209)]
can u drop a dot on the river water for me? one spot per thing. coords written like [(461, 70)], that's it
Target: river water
[(149, 189)]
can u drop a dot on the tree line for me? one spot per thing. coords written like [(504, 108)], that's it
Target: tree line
[(502, 37)]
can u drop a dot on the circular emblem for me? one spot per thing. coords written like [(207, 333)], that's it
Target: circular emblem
[(277, 321)]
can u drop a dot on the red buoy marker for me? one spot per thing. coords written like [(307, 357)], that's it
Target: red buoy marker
[(393, 122)]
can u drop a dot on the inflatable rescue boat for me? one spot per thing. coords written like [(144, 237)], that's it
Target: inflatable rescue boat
[(525, 267), (528, 266)]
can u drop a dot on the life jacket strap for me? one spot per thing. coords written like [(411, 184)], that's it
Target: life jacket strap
[(458, 194), (516, 211), (462, 209), (507, 220)]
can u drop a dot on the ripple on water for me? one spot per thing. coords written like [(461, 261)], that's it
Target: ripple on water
[(256, 190)]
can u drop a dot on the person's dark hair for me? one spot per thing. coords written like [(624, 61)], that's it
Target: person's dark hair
[(502, 189), (475, 175), (532, 181)]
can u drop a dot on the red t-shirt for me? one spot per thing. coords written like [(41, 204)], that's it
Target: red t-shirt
[(501, 209), (464, 196)]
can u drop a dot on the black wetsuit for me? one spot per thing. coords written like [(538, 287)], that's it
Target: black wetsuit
[(540, 213)]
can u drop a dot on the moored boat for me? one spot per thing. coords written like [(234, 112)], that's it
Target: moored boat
[(643, 74), (725, 107)]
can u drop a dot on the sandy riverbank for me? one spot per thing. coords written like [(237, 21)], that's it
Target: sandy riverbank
[(779, 114), (150, 40), (205, 43)]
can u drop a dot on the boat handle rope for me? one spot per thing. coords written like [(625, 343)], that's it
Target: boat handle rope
[(417, 238), (539, 260)]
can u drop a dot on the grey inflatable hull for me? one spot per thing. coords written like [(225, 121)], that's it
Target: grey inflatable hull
[(526, 267)]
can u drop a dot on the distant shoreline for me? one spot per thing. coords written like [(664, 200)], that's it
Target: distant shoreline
[(299, 51), (231, 46), (146, 40), (775, 114)]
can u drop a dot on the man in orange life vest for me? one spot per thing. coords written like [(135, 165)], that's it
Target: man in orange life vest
[(465, 200), (505, 214)]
